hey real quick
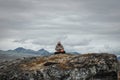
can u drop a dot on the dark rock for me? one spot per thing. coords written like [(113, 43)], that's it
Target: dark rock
[(49, 63), (60, 52)]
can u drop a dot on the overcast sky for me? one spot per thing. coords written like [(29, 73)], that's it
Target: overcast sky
[(81, 25)]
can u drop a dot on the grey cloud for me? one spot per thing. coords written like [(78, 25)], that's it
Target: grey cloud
[(75, 23), (49, 40), (77, 42), (20, 41), (15, 5)]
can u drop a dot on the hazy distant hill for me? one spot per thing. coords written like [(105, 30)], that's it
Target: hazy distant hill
[(21, 52), (118, 58)]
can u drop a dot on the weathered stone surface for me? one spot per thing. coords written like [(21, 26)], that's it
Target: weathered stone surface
[(60, 67)]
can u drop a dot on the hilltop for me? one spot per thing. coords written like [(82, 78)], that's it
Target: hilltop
[(61, 67)]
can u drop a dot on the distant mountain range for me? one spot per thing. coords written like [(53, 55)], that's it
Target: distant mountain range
[(21, 52), (41, 52)]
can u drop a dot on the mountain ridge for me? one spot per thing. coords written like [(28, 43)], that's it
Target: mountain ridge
[(21, 52)]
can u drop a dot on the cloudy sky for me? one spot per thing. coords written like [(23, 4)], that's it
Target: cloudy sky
[(81, 25)]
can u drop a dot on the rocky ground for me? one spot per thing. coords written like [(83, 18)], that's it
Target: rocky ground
[(61, 67)]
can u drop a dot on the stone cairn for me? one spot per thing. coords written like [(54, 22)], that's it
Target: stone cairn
[(59, 48)]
